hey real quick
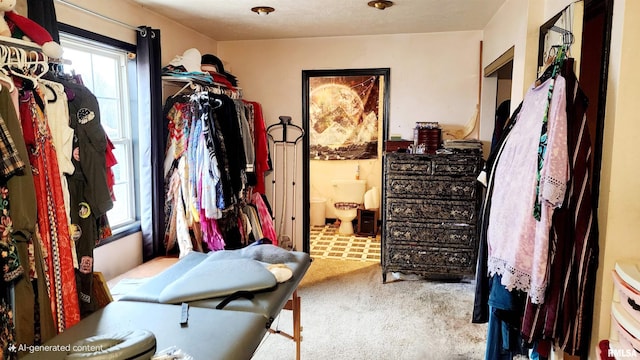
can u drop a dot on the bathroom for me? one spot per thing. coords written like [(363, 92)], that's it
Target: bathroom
[(321, 190), (345, 117)]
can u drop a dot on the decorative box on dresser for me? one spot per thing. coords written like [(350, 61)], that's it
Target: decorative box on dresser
[(430, 209)]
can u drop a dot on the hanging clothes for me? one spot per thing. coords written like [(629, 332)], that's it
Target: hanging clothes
[(566, 315), (517, 242), (52, 218), (210, 165), (262, 165), (61, 134), (32, 311), (247, 139), (10, 267)]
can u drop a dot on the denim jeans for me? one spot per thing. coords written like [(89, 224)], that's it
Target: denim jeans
[(503, 333)]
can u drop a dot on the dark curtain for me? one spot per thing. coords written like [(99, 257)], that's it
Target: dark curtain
[(44, 13), (152, 142)]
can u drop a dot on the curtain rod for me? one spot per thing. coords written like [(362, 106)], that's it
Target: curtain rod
[(91, 12)]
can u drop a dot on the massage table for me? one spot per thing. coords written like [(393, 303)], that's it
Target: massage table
[(231, 304)]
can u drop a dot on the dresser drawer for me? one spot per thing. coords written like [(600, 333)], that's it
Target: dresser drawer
[(426, 210), (430, 259), (440, 187), (441, 235), (456, 165), (408, 164)]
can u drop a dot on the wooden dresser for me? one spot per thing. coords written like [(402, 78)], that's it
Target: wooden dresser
[(430, 210)]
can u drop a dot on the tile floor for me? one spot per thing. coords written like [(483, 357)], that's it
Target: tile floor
[(326, 243)]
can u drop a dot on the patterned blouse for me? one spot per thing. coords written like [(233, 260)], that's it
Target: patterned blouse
[(518, 244)]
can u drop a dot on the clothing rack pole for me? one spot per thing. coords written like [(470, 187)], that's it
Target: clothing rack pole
[(285, 143), (192, 82), (103, 17)]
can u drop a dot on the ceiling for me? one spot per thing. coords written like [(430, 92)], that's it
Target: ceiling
[(227, 20)]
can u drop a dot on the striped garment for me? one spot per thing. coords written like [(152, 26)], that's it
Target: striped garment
[(566, 315)]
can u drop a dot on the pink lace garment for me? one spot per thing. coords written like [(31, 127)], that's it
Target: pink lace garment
[(518, 245)]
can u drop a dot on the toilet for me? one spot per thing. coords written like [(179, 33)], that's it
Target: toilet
[(348, 196)]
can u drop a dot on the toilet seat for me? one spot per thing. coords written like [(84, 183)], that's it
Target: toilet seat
[(346, 205)]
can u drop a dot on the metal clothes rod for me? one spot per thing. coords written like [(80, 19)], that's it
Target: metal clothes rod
[(103, 17)]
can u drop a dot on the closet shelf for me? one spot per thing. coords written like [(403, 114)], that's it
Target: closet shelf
[(187, 80), (6, 40)]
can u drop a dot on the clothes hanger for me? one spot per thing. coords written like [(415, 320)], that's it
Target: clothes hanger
[(217, 103), (18, 66), (4, 74), (50, 85), (186, 86), (37, 67), (555, 64)]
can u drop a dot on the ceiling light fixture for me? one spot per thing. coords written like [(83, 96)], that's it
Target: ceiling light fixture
[(263, 10), (380, 4)]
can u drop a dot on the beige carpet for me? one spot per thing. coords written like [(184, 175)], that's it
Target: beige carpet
[(347, 313)]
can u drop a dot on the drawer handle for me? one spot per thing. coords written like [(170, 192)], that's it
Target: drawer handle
[(633, 304)]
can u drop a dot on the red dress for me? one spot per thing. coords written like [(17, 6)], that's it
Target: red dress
[(52, 217)]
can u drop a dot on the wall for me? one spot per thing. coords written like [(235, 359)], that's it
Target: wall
[(422, 65), (122, 255), (434, 77), (127, 251), (175, 37), (515, 24), (619, 212)]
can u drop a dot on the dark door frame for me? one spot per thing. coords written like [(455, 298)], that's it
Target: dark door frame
[(306, 75)]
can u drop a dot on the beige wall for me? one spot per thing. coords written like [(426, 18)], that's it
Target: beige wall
[(434, 77), (619, 213), (119, 256), (175, 37)]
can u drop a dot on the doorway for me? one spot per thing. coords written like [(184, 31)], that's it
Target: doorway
[(330, 154), (497, 84)]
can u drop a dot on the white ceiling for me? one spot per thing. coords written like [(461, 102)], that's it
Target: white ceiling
[(226, 20)]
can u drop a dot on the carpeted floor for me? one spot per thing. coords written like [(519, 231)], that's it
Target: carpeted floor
[(347, 313)]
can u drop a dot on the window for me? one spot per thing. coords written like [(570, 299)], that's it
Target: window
[(104, 71)]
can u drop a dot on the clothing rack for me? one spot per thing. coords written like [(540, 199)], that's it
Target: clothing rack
[(22, 59), (567, 36), (284, 144), (20, 53)]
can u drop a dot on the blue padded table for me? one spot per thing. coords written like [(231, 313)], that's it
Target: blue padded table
[(267, 304)]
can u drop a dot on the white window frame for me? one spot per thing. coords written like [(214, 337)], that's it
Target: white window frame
[(124, 140)]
